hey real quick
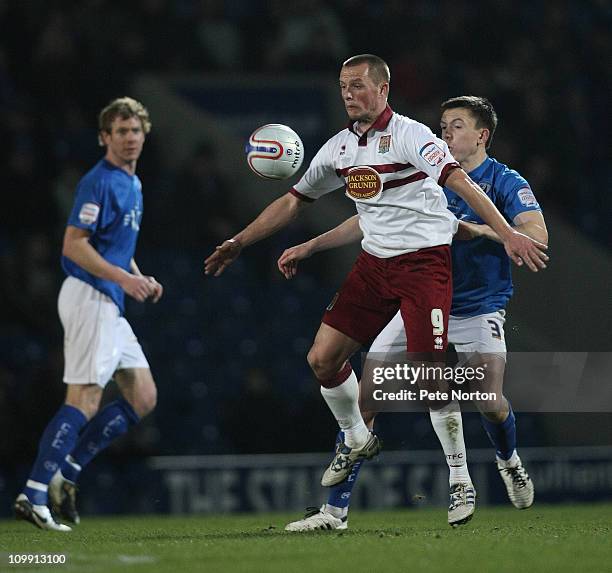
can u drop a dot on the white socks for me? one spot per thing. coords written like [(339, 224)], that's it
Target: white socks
[(343, 401), (449, 429), (511, 462), (339, 512)]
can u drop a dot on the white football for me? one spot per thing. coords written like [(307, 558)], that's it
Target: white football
[(274, 151)]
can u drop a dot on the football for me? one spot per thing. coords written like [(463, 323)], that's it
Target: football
[(274, 151)]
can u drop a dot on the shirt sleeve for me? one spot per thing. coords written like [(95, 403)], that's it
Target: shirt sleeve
[(320, 177), (517, 196), (87, 209), (428, 153)]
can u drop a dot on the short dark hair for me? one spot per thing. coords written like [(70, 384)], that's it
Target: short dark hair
[(378, 69), (480, 108), (125, 108)]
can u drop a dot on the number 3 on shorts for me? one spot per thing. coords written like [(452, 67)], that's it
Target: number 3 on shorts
[(437, 321)]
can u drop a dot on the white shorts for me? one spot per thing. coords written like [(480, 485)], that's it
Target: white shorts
[(97, 340), (483, 333)]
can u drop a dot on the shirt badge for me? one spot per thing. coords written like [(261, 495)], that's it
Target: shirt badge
[(384, 144)]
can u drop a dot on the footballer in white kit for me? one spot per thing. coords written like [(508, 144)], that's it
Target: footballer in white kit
[(482, 288), (392, 168)]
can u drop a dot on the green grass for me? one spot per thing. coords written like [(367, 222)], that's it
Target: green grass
[(543, 538)]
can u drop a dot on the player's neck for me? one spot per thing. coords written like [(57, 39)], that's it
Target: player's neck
[(470, 163), (128, 166), (363, 125)]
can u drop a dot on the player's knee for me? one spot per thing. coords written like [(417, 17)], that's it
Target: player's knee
[(146, 400), (322, 367), (85, 398), (494, 410)]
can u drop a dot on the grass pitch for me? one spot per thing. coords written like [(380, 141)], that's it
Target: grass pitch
[(541, 539)]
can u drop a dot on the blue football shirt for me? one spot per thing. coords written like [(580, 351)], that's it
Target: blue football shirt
[(108, 204), (482, 277)]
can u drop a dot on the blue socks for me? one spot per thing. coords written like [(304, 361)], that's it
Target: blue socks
[(56, 443), (502, 436), (340, 495), (107, 425)]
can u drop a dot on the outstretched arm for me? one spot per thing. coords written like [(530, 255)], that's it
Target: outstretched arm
[(530, 223), (520, 248), (344, 234), (274, 217)]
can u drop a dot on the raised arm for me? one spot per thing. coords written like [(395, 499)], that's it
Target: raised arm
[(273, 218), (344, 234), (520, 248), (78, 249)]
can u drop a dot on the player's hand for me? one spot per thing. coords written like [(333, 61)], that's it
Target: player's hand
[(138, 287), (158, 289), (288, 261), (224, 255), (522, 249)]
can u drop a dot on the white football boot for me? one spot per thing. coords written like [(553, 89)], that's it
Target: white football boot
[(62, 496), (340, 467), (462, 504), (317, 519), (518, 484), (39, 515)]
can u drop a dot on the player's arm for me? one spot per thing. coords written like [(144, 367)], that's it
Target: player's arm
[(530, 223), (274, 217), (520, 248), (347, 232), (78, 249)]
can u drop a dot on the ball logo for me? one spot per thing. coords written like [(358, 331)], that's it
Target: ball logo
[(363, 183), (274, 151)]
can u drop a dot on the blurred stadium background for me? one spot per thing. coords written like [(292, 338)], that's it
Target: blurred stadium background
[(229, 354)]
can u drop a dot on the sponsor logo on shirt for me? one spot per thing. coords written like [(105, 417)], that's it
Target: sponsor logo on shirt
[(363, 183), (384, 144), (132, 219), (432, 153), (527, 198), (88, 214)]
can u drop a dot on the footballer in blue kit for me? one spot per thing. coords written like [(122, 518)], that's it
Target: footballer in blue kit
[(99, 343), (482, 286), (482, 276), (108, 204)]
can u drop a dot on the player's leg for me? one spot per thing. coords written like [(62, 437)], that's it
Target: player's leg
[(392, 339), (57, 441), (84, 318), (448, 425), (425, 282), (497, 416), (328, 359), (334, 513), (356, 316), (139, 396)]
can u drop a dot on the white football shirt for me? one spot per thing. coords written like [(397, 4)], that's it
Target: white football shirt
[(394, 172)]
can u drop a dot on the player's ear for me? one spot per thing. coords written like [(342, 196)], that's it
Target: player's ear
[(484, 136), (102, 141), (384, 89)]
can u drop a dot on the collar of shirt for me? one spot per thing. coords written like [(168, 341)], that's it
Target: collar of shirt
[(381, 122)]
